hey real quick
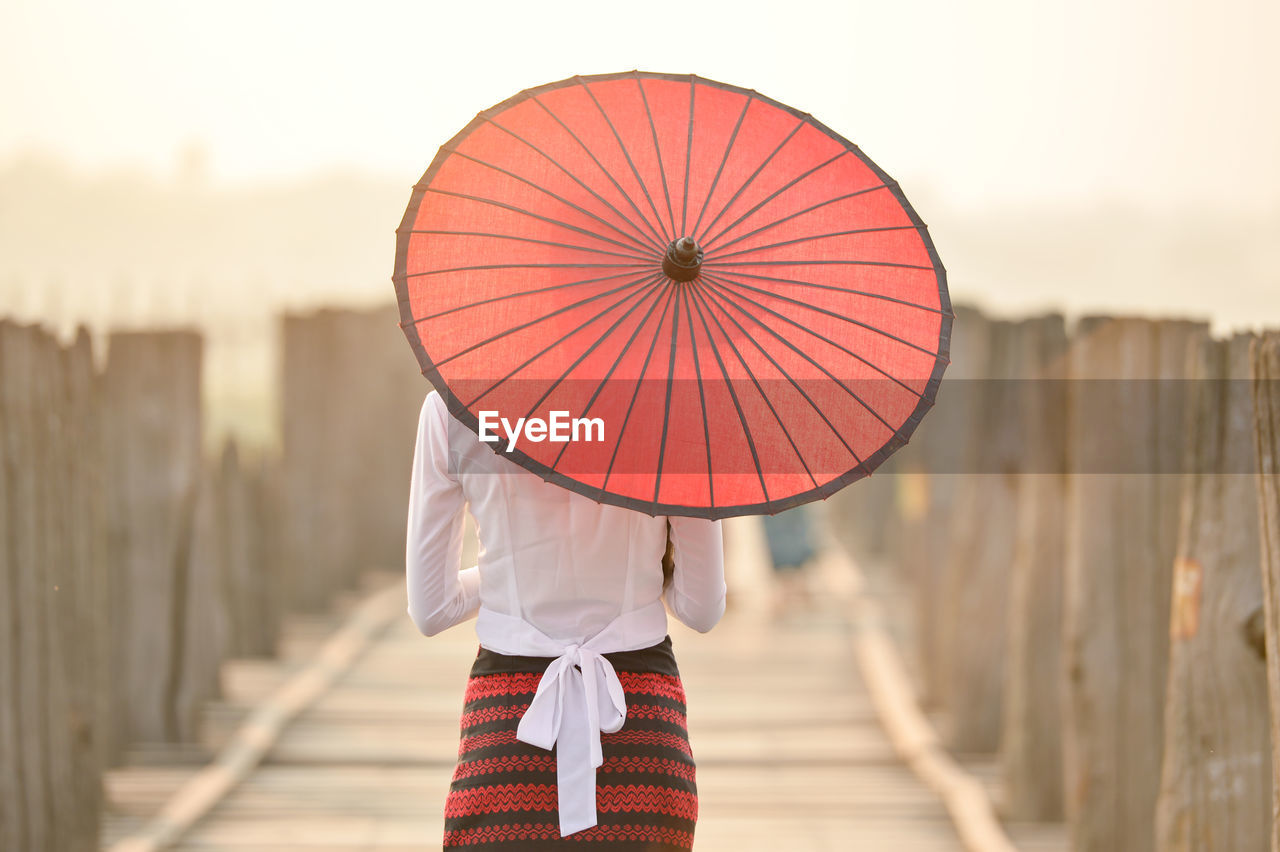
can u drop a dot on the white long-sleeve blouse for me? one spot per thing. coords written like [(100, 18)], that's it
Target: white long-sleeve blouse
[(553, 558), (559, 576)]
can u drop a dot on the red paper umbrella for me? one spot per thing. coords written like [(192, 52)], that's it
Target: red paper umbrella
[(672, 294)]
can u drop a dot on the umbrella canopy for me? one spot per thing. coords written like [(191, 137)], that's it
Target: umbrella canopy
[(672, 294)]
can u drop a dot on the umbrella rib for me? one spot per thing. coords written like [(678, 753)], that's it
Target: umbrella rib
[(666, 408), (688, 157), (723, 281), (810, 239), (527, 240), (722, 298), (868, 294), (818, 409), (657, 150), (642, 240), (643, 219), (737, 406), (644, 368), (776, 222), (657, 217), (817, 263), (756, 382), (505, 206), (755, 174), (702, 400), (728, 149), (600, 387), (527, 266), (651, 282), (506, 296), (546, 191), (505, 332), (710, 241)]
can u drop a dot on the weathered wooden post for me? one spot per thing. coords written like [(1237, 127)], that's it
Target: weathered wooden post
[(383, 416), (1266, 424), (308, 488), (928, 480), (22, 734), (50, 567), (355, 433), (152, 429), (1216, 784), (1126, 431), (83, 617), (351, 396), (245, 518), (202, 637), (973, 620), (77, 577), (1031, 735), (22, 793)]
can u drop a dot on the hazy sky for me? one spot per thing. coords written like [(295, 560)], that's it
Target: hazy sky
[(1156, 104)]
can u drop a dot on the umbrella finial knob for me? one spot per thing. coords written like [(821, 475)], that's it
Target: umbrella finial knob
[(683, 259)]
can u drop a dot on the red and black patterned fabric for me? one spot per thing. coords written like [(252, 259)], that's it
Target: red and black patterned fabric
[(503, 794)]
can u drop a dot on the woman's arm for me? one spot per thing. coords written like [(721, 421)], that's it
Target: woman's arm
[(696, 593), (440, 595)]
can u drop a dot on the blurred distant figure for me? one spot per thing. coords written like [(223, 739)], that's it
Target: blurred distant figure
[(792, 546)]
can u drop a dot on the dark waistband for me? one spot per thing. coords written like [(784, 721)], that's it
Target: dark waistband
[(656, 659)]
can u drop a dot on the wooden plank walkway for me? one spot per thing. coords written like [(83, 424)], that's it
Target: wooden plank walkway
[(789, 750)]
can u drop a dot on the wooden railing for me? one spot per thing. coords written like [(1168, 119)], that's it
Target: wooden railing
[(133, 566), (1087, 523)]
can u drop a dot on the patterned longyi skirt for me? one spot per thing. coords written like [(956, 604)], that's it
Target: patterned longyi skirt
[(503, 794)]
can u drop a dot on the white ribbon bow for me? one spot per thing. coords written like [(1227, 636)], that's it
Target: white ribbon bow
[(578, 698)]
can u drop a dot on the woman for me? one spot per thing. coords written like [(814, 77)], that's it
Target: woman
[(568, 601)]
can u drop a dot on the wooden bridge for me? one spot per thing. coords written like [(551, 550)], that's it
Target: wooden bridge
[(791, 750), (1082, 587)]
